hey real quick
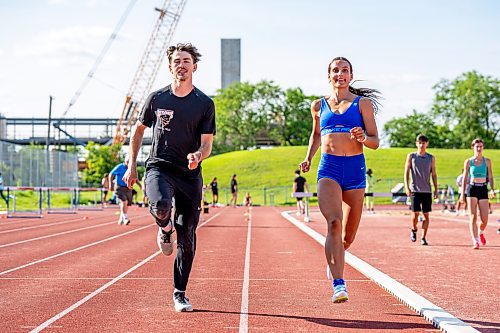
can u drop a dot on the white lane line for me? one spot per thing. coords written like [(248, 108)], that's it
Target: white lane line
[(41, 225), (74, 250), (246, 280), (433, 313), (56, 234), (90, 296), (104, 287)]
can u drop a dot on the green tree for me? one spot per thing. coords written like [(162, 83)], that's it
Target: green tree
[(243, 114), (294, 118), (402, 132), (470, 105), (247, 113), (100, 160)]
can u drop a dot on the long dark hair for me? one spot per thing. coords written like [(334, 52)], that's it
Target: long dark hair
[(372, 94)]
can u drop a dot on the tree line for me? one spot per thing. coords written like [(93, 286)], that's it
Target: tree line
[(463, 109)]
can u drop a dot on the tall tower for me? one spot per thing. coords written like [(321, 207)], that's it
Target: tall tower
[(230, 61)]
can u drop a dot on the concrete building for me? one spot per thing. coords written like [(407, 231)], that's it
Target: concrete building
[(230, 61)]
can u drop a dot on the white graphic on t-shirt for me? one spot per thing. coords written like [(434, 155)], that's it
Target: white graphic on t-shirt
[(164, 117)]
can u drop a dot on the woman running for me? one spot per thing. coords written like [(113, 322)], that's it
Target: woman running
[(343, 123), (479, 170)]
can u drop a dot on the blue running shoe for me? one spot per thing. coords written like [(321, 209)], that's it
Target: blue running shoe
[(339, 291)]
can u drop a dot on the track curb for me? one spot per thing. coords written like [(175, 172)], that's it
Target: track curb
[(436, 315)]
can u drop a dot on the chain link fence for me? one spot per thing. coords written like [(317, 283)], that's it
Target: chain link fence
[(282, 195), (34, 166)]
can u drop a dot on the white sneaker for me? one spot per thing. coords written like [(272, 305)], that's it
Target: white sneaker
[(126, 221), (298, 213), (164, 240), (120, 220), (181, 302)]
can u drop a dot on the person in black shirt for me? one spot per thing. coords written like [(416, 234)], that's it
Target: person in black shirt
[(183, 122), (299, 184), (215, 192), (234, 191)]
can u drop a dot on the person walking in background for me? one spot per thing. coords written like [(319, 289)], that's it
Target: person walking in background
[(215, 191), (123, 193), (343, 123), (234, 191), (183, 121), (479, 171), (420, 165), (105, 188), (369, 201), (300, 185), (459, 183), (1, 190), (247, 202)]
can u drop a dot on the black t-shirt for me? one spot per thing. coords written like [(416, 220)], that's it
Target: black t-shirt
[(178, 123), (214, 186), (234, 183), (300, 183)]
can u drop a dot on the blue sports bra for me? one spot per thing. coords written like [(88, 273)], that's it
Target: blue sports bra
[(330, 122)]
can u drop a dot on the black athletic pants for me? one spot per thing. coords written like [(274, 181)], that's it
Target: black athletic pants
[(163, 185)]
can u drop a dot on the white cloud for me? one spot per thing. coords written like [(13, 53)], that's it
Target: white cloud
[(69, 46)]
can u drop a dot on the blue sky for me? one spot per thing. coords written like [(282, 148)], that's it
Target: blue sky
[(401, 48)]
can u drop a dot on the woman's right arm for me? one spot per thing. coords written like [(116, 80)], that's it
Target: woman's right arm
[(315, 138), (465, 177)]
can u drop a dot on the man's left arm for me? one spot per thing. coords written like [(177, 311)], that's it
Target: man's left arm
[(434, 177), (202, 153)]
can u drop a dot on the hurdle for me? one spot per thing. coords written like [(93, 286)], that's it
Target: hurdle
[(96, 205), (12, 209), (51, 209), (306, 195)]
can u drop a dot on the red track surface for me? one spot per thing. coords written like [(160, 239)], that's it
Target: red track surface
[(288, 290)]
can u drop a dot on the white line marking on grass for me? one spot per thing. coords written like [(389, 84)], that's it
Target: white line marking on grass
[(90, 296), (73, 250), (246, 280), (433, 313)]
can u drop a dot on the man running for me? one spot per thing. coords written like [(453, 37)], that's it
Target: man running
[(122, 191), (183, 122)]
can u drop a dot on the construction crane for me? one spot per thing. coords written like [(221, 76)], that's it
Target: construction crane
[(149, 66)]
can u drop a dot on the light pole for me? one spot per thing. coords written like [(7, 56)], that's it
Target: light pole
[(48, 142)]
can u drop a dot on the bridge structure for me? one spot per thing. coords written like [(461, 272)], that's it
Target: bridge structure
[(64, 131)]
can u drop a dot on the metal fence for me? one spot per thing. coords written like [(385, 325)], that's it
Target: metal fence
[(33, 166), (282, 195)]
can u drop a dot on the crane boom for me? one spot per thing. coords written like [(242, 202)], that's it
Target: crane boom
[(149, 66)]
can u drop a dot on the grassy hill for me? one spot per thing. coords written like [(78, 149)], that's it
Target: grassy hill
[(273, 169)]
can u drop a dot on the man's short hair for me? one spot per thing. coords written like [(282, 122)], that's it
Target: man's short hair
[(476, 140), (297, 172), (422, 138), (187, 47)]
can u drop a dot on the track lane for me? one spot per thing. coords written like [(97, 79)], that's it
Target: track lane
[(445, 272), (142, 301), (299, 299)]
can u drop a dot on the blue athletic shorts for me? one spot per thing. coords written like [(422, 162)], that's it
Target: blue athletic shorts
[(348, 171)]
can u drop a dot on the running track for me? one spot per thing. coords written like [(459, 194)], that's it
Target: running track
[(85, 273)]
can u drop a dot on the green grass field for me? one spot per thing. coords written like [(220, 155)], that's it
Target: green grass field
[(264, 172), (268, 174)]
